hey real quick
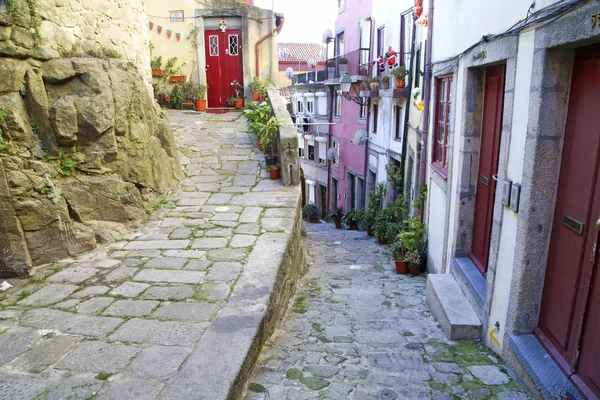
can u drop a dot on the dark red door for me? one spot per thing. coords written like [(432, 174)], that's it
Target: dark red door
[(493, 104), (223, 64), (569, 324)]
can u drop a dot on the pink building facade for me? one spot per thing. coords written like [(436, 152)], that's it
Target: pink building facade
[(352, 42)]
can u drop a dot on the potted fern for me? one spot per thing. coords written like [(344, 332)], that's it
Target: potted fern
[(156, 66), (399, 74), (176, 97), (309, 213), (336, 215)]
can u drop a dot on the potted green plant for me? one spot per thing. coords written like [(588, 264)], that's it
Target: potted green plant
[(374, 82), (399, 73), (156, 66), (176, 97), (374, 207), (188, 91), (257, 88), (398, 255), (266, 133), (336, 215), (274, 171), (200, 97), (413, 243), (309, 212), (351, 220), (385, 82), (237, 99)]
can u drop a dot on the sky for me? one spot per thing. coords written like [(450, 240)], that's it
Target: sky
[(305, 20)]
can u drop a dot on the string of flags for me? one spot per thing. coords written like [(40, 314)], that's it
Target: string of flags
[(159, 30)]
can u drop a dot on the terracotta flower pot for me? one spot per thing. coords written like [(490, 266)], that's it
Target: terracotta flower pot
[(178, 78), (354, 226), (381, 240), (274, 173), (239, 103), (400, 83), (414, 269), (374, 85), (167, 99), (263, 98), (255, 96), (157, 72), (338, 224), (401, 267), (386, 84), (200, 105)]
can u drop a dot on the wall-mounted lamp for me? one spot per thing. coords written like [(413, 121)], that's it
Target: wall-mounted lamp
[(346, 86)]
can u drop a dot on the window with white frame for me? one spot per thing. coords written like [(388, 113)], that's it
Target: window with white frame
[(406, 29), (311, 149), (322, 153), (300, 147), (300, 106), (310, 106)]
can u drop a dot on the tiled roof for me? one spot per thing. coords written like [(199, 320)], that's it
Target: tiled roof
[(294, 52)]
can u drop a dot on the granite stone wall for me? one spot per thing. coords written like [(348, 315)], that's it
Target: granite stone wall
[(84, 152)]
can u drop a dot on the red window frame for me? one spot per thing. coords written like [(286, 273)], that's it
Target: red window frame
[(442, 125)]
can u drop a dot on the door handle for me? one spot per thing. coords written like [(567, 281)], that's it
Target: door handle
[(495, 176)]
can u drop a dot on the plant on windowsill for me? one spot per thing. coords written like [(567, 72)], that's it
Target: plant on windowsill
[(176, 97), (399, 73), (374, 82), (386, 82), (156, 66), (200, 97), (274, 171), (336, 216), (309, 213)]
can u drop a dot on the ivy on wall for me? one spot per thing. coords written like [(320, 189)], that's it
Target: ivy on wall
[(16, 13)]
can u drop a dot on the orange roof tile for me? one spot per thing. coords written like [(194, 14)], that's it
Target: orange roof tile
[(294, 52)]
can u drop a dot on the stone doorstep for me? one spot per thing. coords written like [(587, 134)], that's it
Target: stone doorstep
[(451, 309)]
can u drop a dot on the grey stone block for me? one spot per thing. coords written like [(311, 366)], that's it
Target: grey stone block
[(157, 244), (185, 253), (135, 331), (92, 326), (15, 342), (489, 374), (131, 308), (19, 387), (166, 263), (242, 240), (45, 318), (224, 271), (130, 390), (94, 305), (45, 353), (451, 308), (121, 273), (186, 311), (76, 387), (98, 357), (73, 275), (174, 333), (168, 293), (91, 291), (129, 289), (49, 294), (209, 243), (165, 276), (158, 361)]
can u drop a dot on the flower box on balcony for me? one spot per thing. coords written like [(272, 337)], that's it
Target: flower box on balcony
[(178, 78), (157, 72)]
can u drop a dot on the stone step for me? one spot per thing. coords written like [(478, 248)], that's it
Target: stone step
[(451, 309)]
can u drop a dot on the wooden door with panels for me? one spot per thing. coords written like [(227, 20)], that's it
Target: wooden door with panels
[(223, 64)]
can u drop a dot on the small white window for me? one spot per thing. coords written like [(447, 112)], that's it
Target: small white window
[(214, 45), (310, 106), (233, 45)]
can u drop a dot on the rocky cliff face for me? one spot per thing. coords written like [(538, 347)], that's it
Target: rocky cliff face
[(84, 153)]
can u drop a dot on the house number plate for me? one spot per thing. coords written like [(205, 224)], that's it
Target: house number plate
[(595, 20)]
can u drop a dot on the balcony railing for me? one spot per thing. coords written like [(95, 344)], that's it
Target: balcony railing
[(355, 63)]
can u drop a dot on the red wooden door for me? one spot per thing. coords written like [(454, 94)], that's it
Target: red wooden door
[(223, 64), (493, 104), (569, 323)]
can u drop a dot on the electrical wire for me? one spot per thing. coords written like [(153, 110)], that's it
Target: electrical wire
[(540, 18)]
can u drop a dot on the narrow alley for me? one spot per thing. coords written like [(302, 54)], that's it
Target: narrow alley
[(357, 330)]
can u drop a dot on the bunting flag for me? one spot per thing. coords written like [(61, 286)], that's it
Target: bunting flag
[(169, 32), (151, 25), (159, 29), (178, 36)]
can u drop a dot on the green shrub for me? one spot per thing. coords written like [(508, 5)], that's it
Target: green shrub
[(309, 212)]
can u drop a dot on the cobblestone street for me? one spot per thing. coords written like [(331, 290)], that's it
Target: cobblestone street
[(135, 319), (356, 330)]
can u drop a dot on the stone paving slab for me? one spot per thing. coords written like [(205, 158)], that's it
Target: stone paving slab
[(357, 330), (134, 318)]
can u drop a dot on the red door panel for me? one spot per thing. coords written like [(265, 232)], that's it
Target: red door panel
[(488, 166), (223, 64), (569, 322)]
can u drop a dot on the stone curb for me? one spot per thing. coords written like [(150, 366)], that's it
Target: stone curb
[(226, 355)]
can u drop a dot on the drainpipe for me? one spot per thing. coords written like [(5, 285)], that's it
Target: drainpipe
[(330, 145), (366, 180), (257, 47), (427, 99)]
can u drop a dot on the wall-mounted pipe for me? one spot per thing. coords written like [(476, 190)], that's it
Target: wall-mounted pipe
[(257, 47)]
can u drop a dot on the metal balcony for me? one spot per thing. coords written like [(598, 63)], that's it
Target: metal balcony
[(356, 63)]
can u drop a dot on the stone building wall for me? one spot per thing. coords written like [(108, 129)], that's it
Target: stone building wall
[(84, 152)]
